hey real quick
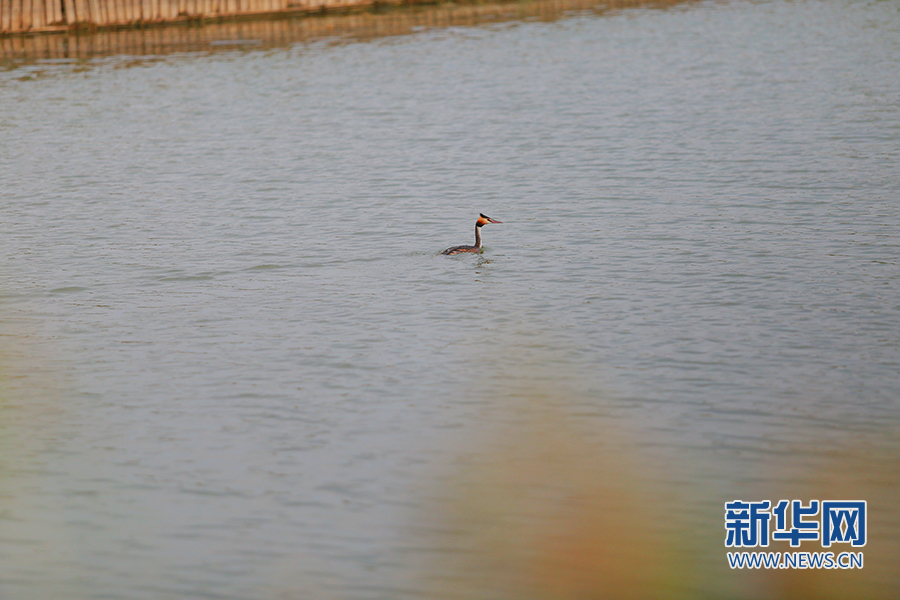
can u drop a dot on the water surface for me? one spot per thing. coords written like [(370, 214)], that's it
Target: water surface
[(236, 366)]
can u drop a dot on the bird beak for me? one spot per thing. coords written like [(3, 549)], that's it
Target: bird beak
[(494, 220)]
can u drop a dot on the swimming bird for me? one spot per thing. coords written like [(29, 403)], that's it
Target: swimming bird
[(482, 220)]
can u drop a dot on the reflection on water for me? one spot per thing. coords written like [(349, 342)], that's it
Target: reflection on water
[(280, 32)]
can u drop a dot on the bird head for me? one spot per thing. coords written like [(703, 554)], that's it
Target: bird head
[(483, 219)]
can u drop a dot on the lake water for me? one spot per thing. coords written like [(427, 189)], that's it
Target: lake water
[(235, 365)]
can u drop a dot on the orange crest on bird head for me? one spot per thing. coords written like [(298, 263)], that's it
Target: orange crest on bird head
[(483, 219)]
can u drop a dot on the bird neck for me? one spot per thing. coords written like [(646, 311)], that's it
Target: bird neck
[(478, 236)]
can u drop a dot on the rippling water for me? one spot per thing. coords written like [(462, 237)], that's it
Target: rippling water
[(235, 365)]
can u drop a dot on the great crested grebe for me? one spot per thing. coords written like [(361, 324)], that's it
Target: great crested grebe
[(482, 220)]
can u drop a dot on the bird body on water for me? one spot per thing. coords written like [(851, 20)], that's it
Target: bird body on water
[(482, 220)]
